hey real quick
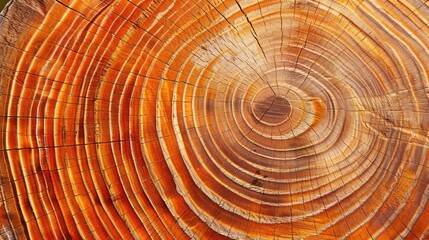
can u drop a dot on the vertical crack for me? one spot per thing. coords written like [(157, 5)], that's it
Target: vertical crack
[(255, 35)]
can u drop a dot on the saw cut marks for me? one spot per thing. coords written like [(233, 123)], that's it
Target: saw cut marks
[(129, 119)]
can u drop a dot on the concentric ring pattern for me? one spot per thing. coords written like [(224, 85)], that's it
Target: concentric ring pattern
[(214, 119)]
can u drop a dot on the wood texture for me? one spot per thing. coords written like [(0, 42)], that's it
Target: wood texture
[(211, 119)]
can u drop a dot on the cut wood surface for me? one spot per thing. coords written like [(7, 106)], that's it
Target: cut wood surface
[(257, 119)]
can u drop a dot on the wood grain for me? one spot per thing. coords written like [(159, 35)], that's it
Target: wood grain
[(128, 119)]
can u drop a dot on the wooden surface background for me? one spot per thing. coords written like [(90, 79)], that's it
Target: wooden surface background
[(247, 119)]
